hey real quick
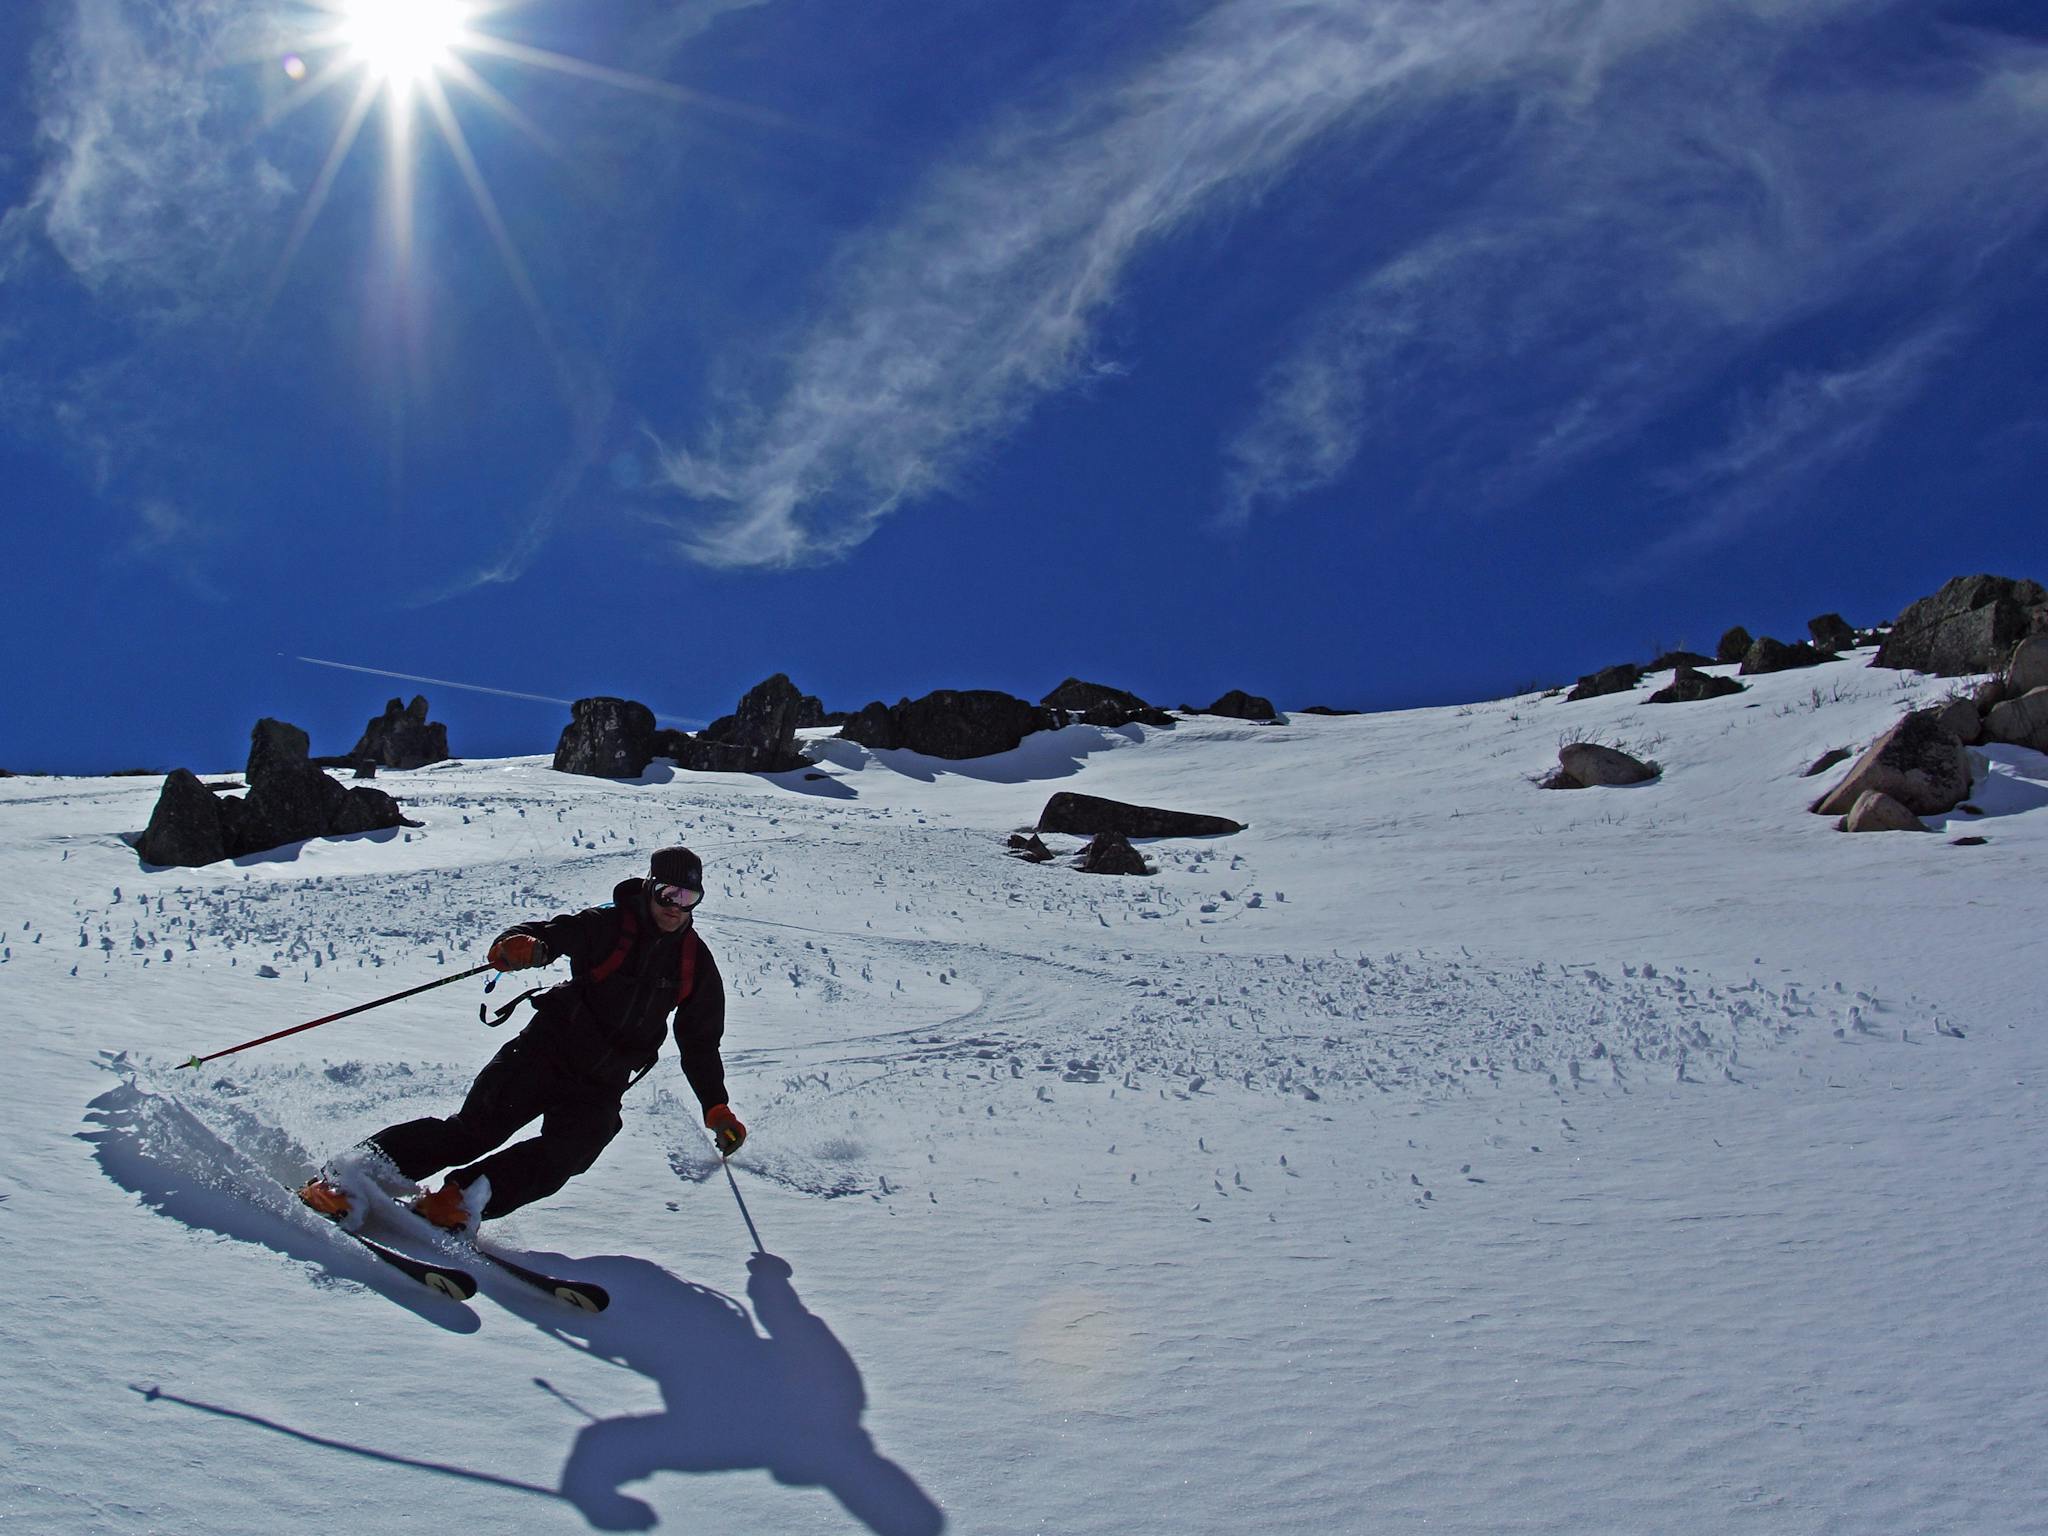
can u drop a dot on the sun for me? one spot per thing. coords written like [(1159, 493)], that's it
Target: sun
[(403, 43)]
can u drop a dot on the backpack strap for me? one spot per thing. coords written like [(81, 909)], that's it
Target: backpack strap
[(629, 930)]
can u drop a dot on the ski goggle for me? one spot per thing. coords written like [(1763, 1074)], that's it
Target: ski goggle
[(678, 898)]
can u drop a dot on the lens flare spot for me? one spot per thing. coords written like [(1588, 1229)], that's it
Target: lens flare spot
[(294, 66)]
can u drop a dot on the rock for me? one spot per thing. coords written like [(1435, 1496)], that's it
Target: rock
[(606, 738), (1239, 705), (1989, 694), (1609, 680), (1970, 625), (1827, 760), (1961, 717), (699, 755), (958, 724), (366, 769), (1112, 854), (1768, 655), (1670, 661), (1088, 815), (1733, 647), (367, 810), (275, 743), (1099, 704), (285, 804), (1917, 762), (1968, 842), (1876, 811), (402, 738), (1031, 848), (185, 827), (1832, 633), (1324, 709), (764, 725), (2028, 668), (2021, 722), (872, 727), (1585, 765), (1689, 686)]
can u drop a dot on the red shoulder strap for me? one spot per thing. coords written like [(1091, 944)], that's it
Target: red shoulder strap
[(688, 982), (629, 928)]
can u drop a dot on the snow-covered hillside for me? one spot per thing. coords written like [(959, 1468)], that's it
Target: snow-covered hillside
[(1437, 1153)]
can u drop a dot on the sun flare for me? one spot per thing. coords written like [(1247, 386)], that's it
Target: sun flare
[(403, 42)]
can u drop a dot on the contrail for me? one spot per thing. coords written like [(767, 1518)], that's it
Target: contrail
[(503, 693)]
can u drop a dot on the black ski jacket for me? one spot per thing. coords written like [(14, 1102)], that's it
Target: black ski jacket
[(603, 1032)]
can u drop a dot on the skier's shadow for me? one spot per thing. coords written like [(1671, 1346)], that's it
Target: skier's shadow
[(789, 1403)]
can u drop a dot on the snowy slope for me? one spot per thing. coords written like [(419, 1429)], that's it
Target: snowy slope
[(1438, 1153)]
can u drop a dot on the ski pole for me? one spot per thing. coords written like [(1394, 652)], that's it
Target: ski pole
[(748, 1216), (359, 1008)]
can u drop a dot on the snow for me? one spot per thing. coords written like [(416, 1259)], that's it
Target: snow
[(1438, 1153)]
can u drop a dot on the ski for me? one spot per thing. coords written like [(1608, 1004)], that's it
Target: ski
[(455, 1283), (584, 1295)]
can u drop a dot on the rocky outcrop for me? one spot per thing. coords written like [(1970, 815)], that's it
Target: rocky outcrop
[(1325, 709), (402, 737), (1876, 811), (1768, 655), (1088, 815), (1588, 765), (1670, 661), (1733, 647), (949, 723), (1111, 854), (759, 736), (1970, 625), (606, 738), (1608, 680), (185, 826), (1688, 685), (290, 800), (1832, 633), (1099, 704), (1239, 705), (1918, 763)]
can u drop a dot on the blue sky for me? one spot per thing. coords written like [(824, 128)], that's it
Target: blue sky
[(1360, 352)]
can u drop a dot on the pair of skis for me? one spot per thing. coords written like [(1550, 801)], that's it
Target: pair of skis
[(459, 1284)]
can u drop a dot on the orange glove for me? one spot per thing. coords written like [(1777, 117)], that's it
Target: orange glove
[(725, 1125), (518, 952)]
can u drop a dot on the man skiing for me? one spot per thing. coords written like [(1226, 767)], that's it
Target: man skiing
[(630, 964)]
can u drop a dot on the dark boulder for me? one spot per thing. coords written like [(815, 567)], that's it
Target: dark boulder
[(812, 714), (763, 729), (1918, 763), (1099, 704), (275, 744), (873, 727), (1831, 632), (1970, 625), (606, 738), (401, 737), (367, 810), (1239, 705), (1087, 815), (1670, 661), (285, 804), (1608, 680), (699, 754), (1689, 686), (1733, 647), (965, 723), (1031, 849), (1112, 854), (1324, 709), (1768, 655), (185, 827)]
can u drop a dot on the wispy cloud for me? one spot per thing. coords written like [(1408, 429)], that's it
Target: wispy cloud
[(1653, 234)]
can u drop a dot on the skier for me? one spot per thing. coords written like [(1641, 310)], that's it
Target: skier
[(630, 963)]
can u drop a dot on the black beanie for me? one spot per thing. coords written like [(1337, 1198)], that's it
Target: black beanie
[(677, 866)]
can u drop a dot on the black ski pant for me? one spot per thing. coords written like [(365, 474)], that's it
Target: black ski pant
[(520, 1085)]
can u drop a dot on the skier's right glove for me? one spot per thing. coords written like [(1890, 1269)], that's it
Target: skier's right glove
[(518, 952), (725, 1125)]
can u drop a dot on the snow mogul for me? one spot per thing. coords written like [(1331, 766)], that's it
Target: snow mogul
[(631, 964)]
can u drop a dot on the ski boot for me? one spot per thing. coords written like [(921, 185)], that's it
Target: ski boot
[(326, 1199), (445, 1208)]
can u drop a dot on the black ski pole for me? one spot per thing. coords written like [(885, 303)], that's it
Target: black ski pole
[(359, 1008)]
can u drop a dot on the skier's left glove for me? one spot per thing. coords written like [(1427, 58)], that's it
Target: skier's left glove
[(725, 1125)]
